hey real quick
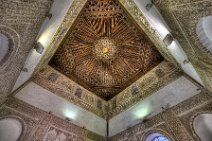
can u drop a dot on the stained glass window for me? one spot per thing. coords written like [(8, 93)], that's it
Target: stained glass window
[(160, 138)]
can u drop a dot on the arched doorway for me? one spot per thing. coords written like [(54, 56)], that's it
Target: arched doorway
[(203, 126), (10, 129)]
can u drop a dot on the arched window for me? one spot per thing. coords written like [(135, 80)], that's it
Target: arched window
[(4, 46), (203, 126), (10, 129), (160, 138), (204, 32), (156, 137)]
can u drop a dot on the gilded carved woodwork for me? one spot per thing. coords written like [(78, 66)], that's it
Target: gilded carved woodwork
[(130, 8), (104, 51)]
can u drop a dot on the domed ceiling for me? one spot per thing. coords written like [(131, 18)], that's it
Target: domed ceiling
[(105, 51)]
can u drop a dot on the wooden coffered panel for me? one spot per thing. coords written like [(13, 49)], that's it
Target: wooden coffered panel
[(105, 51)]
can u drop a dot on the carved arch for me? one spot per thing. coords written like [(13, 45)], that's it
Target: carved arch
[(192, 123), (21, 121), (14, 44)]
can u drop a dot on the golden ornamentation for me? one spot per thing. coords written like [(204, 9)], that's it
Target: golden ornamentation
[(109, 51), (105, 49)]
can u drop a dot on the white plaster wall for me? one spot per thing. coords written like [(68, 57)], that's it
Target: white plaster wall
[(180, 56), (172, 94), (154, 17), (203, 126), (10, 129), (45, 36), (43, 99)]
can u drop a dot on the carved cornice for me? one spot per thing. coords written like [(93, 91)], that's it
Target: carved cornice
[(154, 80), (151, 82), (60, 85)]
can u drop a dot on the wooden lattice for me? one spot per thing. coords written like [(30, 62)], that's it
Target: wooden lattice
[(104, 50)]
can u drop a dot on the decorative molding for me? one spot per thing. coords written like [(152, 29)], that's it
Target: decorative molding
[(154, 80), (69, 90), (24, 127), (192, 123), (14, 44)]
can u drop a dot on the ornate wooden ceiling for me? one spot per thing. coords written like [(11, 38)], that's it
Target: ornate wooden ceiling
[(104, 50)]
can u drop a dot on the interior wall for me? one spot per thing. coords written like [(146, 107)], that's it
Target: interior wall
[(39, 125), (172, 94), (176, 122), (45, 100), (20, 20)]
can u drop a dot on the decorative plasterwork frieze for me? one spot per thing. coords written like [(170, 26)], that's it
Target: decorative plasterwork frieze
[(59, 84), (154, 80)]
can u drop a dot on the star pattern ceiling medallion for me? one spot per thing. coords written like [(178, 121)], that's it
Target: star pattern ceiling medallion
[(105, 51)]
